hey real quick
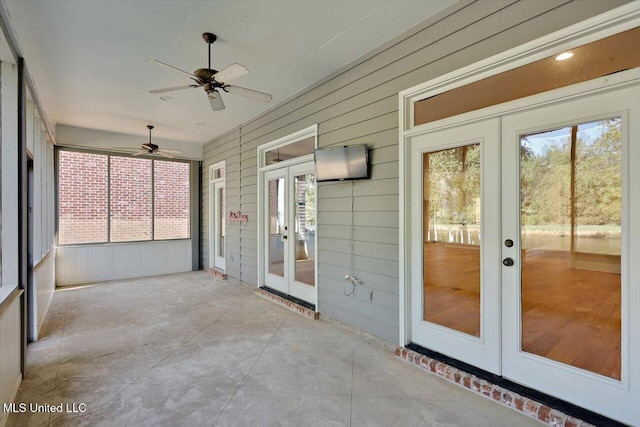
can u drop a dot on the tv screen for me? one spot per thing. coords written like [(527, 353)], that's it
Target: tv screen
[(337, 164)]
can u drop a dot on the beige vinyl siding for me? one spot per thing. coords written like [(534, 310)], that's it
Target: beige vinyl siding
[(359, 105)]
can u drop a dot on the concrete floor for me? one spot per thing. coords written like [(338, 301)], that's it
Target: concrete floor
[(188, 349)]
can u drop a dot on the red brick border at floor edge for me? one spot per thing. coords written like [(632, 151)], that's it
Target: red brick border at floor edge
[(510, 399)]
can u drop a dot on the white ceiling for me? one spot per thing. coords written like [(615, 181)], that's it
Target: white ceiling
[(87, 57)]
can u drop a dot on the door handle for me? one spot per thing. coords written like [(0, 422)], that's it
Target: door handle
[(508, 262)]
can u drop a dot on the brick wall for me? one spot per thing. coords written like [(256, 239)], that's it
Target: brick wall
[(83, 195), (171, 200), (130, 199)]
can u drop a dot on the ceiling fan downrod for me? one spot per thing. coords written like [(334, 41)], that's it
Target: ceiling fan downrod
[(209, 38), (149, 127)]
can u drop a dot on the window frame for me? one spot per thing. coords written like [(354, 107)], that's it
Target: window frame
[(110, 154)]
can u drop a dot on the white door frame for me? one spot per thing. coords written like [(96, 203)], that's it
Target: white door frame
[(311, 131), (609, 23), (215, 261)]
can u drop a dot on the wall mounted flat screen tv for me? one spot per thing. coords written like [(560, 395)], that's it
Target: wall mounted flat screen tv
[(338, 164)]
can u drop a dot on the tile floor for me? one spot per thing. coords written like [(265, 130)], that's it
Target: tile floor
[(191, 350)]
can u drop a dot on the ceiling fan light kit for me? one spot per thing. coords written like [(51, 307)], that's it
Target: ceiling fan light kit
[(211, 80)]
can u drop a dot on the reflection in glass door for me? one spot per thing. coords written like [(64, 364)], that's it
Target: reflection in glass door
[(290, 231), (452, 214), (571, 207), (220, 226), (277, 228), (456, 285), (304, 187)]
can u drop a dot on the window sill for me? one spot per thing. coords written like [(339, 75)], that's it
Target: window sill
[(8, 294), (133, 242)]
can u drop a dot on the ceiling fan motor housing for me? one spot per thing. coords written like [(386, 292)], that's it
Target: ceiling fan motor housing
[(205, 75), (152, 148)]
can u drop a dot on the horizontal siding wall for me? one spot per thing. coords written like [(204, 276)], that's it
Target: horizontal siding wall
[(356, 105)]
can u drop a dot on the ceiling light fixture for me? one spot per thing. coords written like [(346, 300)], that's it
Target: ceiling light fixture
[(563, 56)]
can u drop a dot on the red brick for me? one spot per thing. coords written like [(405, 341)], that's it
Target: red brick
[(485, 388), (543, 413), (556, 419), (572, 422), (466, 381), (507, 398), (496, 393), (531, 408)]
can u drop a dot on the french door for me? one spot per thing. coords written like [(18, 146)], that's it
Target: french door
[(456, 308), (289, 230), (524, 265)]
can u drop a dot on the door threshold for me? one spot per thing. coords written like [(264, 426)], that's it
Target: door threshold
[(216, 272), (292, 303), (533, 403)]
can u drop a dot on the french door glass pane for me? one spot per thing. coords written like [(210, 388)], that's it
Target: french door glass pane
[(305, 223), (571, 203), (451, 224), (221, 221), (276, 226)]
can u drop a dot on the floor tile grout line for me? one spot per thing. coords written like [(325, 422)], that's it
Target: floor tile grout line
[(248, 372)]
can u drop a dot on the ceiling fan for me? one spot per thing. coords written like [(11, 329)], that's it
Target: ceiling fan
[(213, 81), (151, 148)]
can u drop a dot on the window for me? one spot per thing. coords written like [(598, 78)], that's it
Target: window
[(171, 200), (83, 197), (105, 198), (130, 199)]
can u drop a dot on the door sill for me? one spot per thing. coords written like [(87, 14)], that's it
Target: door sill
[(533, 403), (292, 303)]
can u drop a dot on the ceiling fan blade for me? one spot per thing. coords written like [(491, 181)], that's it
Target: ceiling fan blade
[(170, 67), (216, 101), (169, 89), (233, 71), (125, 149), (163, 153), (140, 152), (249, 93), (167, 151)]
